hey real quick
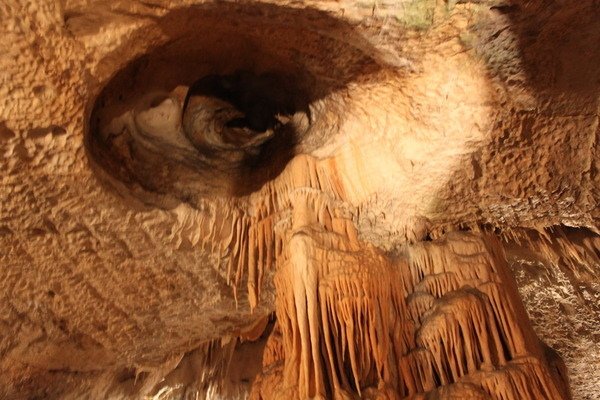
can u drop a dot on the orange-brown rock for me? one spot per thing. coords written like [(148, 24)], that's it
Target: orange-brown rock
[(378, 199)]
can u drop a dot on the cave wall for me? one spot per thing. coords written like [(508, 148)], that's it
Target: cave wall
[(430, 117)]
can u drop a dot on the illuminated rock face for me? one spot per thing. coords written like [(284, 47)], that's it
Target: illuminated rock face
[(444, 318), (342, 216)]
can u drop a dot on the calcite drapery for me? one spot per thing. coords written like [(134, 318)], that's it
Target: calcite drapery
[(444, 317), (486, 102)]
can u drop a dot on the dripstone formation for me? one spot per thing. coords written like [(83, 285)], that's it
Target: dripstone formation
[(299, 200)]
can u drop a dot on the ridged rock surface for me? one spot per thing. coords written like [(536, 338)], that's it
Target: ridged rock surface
[(420, 212)]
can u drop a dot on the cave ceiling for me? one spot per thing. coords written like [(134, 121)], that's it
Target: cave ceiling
[(392, 199)]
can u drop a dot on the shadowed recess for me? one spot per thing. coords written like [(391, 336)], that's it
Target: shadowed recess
[(267, 83)]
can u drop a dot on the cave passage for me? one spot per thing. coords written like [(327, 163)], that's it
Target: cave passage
[(260, 98), (223, 105)]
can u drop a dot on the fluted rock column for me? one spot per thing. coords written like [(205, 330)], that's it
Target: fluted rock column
[(440, 317)]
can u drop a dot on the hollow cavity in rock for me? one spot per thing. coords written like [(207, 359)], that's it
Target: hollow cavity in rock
[(260, 92)]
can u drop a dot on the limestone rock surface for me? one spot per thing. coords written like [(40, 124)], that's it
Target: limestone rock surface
[(372, 199)]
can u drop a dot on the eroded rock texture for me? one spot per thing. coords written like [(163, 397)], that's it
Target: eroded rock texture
[(339, 208), (443, 320)]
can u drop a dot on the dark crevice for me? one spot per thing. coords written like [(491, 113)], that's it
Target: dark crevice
[(245, 83)]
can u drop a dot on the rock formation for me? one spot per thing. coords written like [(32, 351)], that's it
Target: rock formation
[(303, 199)]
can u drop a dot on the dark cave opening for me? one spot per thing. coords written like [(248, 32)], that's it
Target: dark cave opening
[(223, 105)]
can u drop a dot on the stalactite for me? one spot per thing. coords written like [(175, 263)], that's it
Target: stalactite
[(439, 319)]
